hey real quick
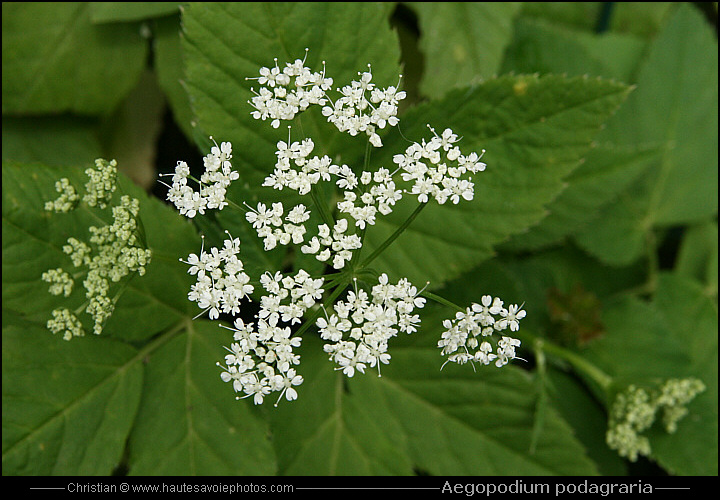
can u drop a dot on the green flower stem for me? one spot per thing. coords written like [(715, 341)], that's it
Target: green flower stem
[(368, 149), (578, 363), (393, 236), (356, 254), (337, 279), (443, 301), (321, 206)]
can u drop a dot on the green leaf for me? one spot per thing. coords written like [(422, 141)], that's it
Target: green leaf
[(209, 432), (577, 15), (604, 173), (169, 68), (416, 418), (698, 256), (50, 140), (148, 304), (696, 327), (608, 168), (674, 106), (327, 432), (72, 416), (189, 422), (110, 12), (541, 47), (463, 43), (131, 133), (588, 419), (55, 60), (535, 131), (638, 344)]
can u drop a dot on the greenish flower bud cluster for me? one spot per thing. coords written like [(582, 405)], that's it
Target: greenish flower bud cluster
[(60, 282), (68, 199), (102, 183), (114, 251), (635, 410), (65, 322)]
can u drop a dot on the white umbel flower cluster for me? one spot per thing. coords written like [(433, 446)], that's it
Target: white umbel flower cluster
[(438, 169), (213, 183), (360, 107), (358, 330), (355, 112), (287, 92), (261, 359), (467, 336), (221, 280)]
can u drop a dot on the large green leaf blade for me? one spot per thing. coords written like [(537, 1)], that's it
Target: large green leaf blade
[(41, 42), (608, 168), (50, 140), (674, 107), (327, 432), (604, 173), (210, 433), (491, 412), (72, 416)]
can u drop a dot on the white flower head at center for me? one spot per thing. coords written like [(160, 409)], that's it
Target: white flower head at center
[(358, 330), (262, 358)]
